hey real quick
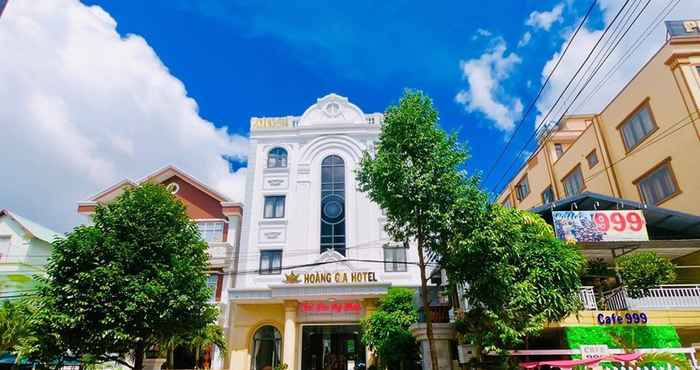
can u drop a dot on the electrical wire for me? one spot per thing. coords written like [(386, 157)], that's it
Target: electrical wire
[(539, 93), (584, 86)]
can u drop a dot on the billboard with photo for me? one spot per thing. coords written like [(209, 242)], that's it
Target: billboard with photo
[(600, 226)]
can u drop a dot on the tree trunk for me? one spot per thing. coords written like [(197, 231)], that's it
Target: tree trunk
[(171, 358), (139, 351), (426, 304)]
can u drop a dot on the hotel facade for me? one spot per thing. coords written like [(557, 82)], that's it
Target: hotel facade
[(314, 256)]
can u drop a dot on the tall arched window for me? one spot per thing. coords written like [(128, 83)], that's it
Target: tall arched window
[(266, 348), (333, 204), (277, 158)]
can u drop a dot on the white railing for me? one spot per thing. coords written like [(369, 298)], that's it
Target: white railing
[(587, 296), (676, 296)]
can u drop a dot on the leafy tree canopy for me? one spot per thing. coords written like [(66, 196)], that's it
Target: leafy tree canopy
[(133, 278), (386, 330), (414, 171), (14, 325), (517, 275), (645, 270)]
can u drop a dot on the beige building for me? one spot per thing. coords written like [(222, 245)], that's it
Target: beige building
[(643, 146)]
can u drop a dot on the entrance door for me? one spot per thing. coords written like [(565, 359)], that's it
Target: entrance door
[(332, 347)]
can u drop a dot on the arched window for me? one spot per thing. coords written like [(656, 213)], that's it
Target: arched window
[(333, 204), (277, 158), (266, 348)]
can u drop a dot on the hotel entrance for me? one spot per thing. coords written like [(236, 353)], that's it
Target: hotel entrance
[(332, 347)]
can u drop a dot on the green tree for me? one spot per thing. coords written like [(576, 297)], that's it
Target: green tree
[(211, 335), (14, 325), (117, 287), (645, 270), (386, 330), (414, 176), (517, 275)]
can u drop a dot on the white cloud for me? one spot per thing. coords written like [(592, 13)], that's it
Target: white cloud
[(484, 94), (525, 39), (593, 100), (546, 19), (83, 107), (480, 32)]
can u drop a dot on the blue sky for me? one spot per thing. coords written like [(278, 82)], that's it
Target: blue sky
[(275, 58), (97, 91)]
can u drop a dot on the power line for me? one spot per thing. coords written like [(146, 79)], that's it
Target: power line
[(584, 86), (544, 119), (633, 48), (539, 93), (666, 133)]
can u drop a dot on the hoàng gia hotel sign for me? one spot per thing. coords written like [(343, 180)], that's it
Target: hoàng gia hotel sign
[(323, 277)]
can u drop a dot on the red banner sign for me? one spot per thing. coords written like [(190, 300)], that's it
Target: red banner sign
[(330, 307)]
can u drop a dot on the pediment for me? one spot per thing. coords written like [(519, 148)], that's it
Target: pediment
[(332, 109)]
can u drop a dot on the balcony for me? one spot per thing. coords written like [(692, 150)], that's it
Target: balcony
[(220, 254), (665, 297)]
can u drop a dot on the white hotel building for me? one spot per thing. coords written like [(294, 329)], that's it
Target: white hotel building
[(309, 266)]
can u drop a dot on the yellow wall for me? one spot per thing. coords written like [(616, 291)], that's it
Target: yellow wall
[(670, 84), (677, 318), (245, 319), (688, 275)]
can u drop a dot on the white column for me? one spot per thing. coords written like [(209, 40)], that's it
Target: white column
[(290, 334)]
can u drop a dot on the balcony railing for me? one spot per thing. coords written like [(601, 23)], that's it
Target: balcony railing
[(664, 297), (587, 296)]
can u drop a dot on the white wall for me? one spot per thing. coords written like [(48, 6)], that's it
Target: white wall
[(298, 233)]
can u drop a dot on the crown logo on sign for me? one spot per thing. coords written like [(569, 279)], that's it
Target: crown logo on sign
[(291, 278)]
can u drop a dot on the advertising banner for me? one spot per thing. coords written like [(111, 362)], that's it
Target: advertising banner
[(600, 226)]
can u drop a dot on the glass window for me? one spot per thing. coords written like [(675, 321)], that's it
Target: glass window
[(636, 128), (277, 158), (274, 206), (270, 262), (573, 182), (592, 159), (394, 259), (266, 348), (333, 204), (559, 149), (522, 189), (658, 185), (211, 231), (548, 195), (213, 285)]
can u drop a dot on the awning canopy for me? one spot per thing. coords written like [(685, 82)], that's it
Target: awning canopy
[(672, 234), (662, 223)]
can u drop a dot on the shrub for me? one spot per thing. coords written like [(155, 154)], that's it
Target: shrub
[(645, 270)]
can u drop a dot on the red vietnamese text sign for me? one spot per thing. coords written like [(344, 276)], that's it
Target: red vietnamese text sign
[(330, 307)]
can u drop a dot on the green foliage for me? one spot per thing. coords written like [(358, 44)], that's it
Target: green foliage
[(660, 360), (135, 277), (14, 325), (645, 270), (661, 336), (414, 173), (211, 335), (518, 276), (386, 330)]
